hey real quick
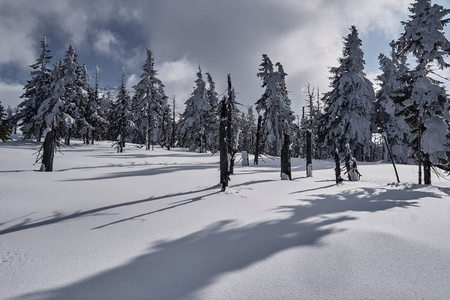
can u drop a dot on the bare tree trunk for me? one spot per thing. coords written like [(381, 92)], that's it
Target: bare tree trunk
[(69, 135), (258, 134), (49, 151), (427, 170), (308, 153), (223, 147), (286, 159), (337, 169), (229, 129), (392, 157)]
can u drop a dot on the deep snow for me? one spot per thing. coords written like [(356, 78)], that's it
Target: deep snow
[(154, 225)]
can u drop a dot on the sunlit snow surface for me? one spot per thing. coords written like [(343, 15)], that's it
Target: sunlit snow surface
[(154, 225)]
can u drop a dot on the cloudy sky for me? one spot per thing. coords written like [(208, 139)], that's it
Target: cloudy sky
[(223, 37)]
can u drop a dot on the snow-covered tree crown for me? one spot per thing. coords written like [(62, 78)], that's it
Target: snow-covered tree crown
[(353, 60), (424, 36), (44, 58)]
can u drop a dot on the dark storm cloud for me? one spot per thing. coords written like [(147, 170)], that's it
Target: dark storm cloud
[(221, 36)]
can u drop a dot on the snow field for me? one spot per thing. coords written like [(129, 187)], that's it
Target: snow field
[(154, 225)]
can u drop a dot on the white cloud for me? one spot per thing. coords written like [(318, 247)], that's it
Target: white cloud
[(106, 43), (132, 80), (10, 94), (179, 79)]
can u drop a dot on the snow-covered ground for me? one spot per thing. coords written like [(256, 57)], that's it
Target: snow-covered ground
[(154, 225)]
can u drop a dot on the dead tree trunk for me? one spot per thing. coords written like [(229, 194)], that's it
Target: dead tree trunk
[(286, 159), (350, 164), (427, 169), (391, 156), (337, 169), (308, 153), (223, 147), (230, 128), (49, 151), (258, 135)]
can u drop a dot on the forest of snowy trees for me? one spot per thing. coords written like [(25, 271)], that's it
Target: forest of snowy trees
[(405, 120)]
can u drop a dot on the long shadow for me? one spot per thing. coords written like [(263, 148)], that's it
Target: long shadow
[(57, 217), (178, 204), (181, 268), (151, 171), (181, 203), (28, 223)]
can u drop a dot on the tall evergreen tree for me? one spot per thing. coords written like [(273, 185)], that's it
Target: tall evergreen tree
[(193, 122), (76, 93), (150, 104), (36, 91), (247, 134), (96, 114), (212, 138), (275, 107), (387, 119), (56, 111), (5, 129), (106, 103), (424, 100), (349, 105), (121, 115), (85, 107)]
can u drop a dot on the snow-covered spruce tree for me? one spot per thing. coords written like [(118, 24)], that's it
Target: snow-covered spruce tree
[(150, 100), (387, 119), (349, 105), (193, 122), (165, 125), (424, 100), (212, 138), (84, 122), (312, 117), (56, 113), (96, 115), (106, 103), (36, 91), (76, 94), (247, 134), (275, 107), (11, 118), (5, 130), (121, 115)]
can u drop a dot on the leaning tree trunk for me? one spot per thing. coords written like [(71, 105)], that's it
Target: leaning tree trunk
[(427, 169), (286, 159), (223, 147), (391, 156), (308, 153), (49, 151), (258, 134)]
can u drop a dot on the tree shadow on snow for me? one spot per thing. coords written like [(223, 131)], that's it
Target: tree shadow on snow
[(163, 169), (182, 267), (59, 216)]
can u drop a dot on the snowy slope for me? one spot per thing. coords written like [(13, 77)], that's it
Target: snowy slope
[(153, 225)]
